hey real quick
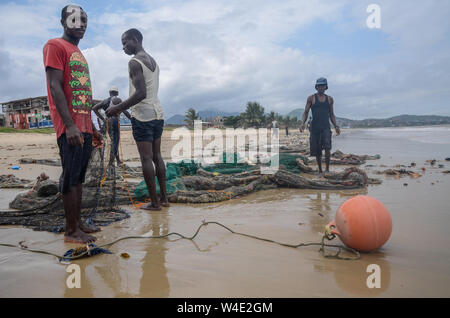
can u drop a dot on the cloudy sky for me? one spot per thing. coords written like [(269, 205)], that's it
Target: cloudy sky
[(220, 54)]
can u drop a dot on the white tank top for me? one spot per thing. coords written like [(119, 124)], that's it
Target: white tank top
[(150, 107)]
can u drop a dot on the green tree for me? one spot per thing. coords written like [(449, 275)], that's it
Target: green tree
[(191, 115), (253, 115), (232, 121), (269, 118)]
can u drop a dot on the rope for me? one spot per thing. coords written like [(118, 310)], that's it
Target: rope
[(204, 223), (99, 185)]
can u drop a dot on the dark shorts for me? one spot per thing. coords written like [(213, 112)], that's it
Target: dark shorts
[(147, 130), (319, 141), (74, 161), (113, 127)]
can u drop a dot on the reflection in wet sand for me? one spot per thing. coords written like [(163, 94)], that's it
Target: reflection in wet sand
[(86, 290), (320, 210), (154, 281), (352, 277)]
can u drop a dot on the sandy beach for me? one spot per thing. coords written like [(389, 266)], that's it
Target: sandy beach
[(414, 262)]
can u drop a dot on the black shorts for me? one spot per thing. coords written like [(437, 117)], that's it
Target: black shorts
[(74, 161), (147, 130), (319, 141)]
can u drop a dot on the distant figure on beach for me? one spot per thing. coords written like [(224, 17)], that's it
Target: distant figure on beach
[(113, 122), (274, 124), (147, 117), (275, 129), (70, 100), (320, 132)]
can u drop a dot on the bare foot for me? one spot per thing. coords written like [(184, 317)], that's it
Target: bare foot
[(151, 207), (164, 202), (89, 228), (79, 237)]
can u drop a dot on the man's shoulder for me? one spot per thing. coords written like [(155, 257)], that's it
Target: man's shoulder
[(54, 42)]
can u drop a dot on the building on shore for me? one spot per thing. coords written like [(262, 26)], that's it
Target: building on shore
[(28, 113)]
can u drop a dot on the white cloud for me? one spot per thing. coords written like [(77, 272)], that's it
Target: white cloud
[(221, 54)]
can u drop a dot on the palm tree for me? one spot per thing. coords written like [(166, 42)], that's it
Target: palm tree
[(253, 115), (270, 118), (191, 115), (232, 121)]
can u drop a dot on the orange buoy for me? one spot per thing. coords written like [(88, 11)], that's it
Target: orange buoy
[(362, 223)]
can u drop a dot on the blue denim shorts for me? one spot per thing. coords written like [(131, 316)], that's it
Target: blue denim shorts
[(147, 130)]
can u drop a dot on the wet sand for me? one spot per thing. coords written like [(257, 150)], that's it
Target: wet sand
[(414, 262)]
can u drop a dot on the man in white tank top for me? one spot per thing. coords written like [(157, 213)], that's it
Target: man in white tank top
[(147, 117)]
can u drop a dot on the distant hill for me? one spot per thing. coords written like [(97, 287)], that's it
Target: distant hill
[(396, 121), (175, 120), (298, 112), (207, 114), (399, 121)]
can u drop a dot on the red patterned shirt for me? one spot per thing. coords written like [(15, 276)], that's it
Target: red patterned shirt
[(62, 55)]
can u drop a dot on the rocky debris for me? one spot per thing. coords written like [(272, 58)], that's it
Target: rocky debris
[(304, 167), (11, 181), (339, 155), (47, 188), (352, 173), (49, 162), (400, 172)]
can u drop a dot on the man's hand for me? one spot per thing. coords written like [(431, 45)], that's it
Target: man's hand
[(338, 130), (97, 140), (74, 136), (114, 110), (302, 128)]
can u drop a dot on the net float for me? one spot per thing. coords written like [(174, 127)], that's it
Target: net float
[(362, 223)]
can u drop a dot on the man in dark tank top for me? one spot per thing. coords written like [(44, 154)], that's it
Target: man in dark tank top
[(321, 106)]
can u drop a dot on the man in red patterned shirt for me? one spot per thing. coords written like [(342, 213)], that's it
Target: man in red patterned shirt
[(70, 100)]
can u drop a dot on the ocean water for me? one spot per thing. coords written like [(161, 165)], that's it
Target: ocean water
[(397, 143)]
